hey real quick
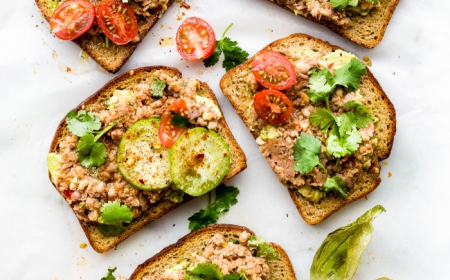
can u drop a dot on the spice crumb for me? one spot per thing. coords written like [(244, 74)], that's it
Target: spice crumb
[(389, 174), (83, 245)]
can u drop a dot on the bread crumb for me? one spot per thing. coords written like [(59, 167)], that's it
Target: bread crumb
[(367, 61), (385, 163), (185, 5), (389, 174), (83, 245), (131, 72), (199, 72)]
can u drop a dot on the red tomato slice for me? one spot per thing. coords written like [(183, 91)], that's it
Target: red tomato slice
[(273, 70), (195, 39), (168, 132), (273, 106), (72, 19), (117, 20)]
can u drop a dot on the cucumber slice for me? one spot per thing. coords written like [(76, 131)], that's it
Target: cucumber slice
[(199, 160), (141, 158)]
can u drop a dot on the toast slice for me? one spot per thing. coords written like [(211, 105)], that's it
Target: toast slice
[(196, 240), (234, 88), (114, 57), (366, 31), (102, 243)]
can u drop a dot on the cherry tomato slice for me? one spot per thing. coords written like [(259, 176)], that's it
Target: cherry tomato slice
[(273, 70), (117, 20), (168, 132), (273, 106), (195, 39), (72, 19)]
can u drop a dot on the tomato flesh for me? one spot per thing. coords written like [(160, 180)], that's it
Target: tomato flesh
[(168, 132), (72, 19), (273, 106), (117, 20), (195, 39), (272, 70)]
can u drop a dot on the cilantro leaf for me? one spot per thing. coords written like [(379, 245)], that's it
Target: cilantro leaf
[(98, 154), (266, 250), (322, 118), (350, 75), (255, 241), (208, 270), (234, 55), (337, 185), (109, 275), (232, 276), (178, 120), (346, 145), (321, 85), (113, 213), (189, 276), (306, 153), (157, 87), (363, 115), (85, 144), (82, 123), (225, 197), (346, 122), (214, 58)]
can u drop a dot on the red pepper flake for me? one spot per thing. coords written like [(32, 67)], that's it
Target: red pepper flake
[(345, 159), (225, 155), (389, 174), (68, 70), (185, 5), (141, 181), (200, 157), (68, 194)]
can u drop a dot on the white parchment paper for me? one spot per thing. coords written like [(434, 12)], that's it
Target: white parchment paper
[(40, 235)]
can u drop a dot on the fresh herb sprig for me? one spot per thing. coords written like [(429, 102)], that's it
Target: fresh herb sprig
[(112, 217), (178, 119), (342, 4), (210, 271), (263, 249), (109, 275), (234, 55), (225, 197), (86, 125), (157, 87)]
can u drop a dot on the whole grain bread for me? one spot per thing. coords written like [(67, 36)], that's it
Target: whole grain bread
[(115, 56), (280, 269), (367, 31), (102, 243), (235, 89)]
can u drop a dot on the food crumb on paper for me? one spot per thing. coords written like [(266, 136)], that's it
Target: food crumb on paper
[(389, 174), (83, 245), (367, 61), (385, 163), (166, 41), (199, 72)]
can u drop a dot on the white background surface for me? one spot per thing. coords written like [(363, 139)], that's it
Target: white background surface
[(40, 235)]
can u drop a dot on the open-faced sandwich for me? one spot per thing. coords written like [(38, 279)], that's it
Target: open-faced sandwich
[(145, 143), (218, 252), (108, 30), (319, 117), (361, 21)]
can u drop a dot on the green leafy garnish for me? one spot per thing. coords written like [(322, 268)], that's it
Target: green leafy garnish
[(109, 275), (236, 276), (234, 55), (342, 4), (337, 185), (263, 249), (323, 119), (347, 144), (178, 120), (207, 270), (225, 197), (306, 153), (339, 255), (89, 152), (362, 114), (82, 123), (157, 86), (350, 75), (112, 217)]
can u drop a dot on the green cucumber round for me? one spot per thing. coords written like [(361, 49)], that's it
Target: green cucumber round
[(199, 160), (141, 158)]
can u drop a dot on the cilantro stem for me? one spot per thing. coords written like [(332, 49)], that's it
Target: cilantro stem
[(321, 165), (106, 129), (106, 41), (223, 35), (328, 105)]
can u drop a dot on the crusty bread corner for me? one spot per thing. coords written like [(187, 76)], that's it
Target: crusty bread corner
[(366, 31), (377, 102), (102, 243), (280, 269), (114, 57)]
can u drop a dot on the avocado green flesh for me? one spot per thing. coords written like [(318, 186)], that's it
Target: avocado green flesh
[(53, 164), (357, 10), (52, 5), (311, 194), (199, 160), (141, 158)]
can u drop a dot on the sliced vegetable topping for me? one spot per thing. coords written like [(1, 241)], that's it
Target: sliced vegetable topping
[(72, 19), (141, 159), (117, 21), (199, 160), (195, 39), (273, 106), (173, 122), (272, 70), (339, 255), (112, 218)]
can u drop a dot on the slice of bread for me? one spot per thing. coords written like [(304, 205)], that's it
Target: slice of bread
[(367, 31), (234, 88), (280, 269), (102, 243), (114, 57)]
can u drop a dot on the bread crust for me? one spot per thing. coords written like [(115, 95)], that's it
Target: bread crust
[(384, 15), (200, 234), (100, 54), (102, 243), (314, 213)]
